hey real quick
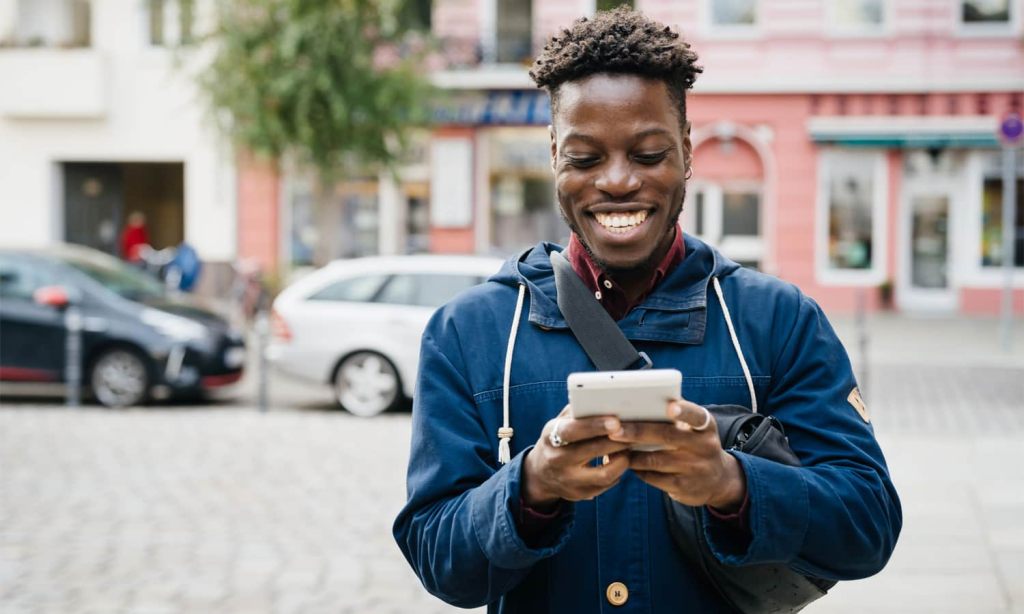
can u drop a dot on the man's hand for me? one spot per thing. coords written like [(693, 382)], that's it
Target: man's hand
[(552, 473), (693, 468)]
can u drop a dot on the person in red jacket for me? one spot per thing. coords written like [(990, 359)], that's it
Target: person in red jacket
[(134, 236)]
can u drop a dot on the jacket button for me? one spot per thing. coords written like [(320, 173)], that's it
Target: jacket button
[(617, 593)]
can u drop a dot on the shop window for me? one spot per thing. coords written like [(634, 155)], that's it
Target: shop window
[(732, 13), (513, 30), (727, 216), (53, 23), (851, 213), (992, 215), (523, 212), (856, 16), (171, 22), (415, 14)]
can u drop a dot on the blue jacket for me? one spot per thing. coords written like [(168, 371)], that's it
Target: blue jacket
[(836, 517)]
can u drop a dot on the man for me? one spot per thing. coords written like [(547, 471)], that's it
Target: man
[(552, 531)]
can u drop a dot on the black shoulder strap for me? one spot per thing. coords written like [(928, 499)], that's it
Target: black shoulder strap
[(596, 331)]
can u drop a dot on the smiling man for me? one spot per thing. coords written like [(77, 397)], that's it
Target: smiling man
[(506, 506)]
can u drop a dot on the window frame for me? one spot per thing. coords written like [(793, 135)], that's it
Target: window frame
[(746, 248), (968, 262), (825, 273), (837, 30), (731, 31)]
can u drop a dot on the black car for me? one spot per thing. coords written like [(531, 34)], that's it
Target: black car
[(137, 341)]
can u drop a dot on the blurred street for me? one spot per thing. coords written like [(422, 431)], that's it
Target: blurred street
[(203, 508)]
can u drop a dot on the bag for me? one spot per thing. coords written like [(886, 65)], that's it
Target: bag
[(751, 589)]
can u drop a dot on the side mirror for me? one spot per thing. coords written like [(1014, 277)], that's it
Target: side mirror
[(52, 296)]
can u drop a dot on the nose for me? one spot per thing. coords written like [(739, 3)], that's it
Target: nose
[(617, 179)]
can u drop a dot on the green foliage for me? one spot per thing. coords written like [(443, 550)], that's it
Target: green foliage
[(329, 83)]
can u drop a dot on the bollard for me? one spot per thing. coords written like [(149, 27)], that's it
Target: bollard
[(73, 356), (862, 343), (262, 338)]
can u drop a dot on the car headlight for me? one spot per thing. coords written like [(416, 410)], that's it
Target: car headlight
[(175, 327)]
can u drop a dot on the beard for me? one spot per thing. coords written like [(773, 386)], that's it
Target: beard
[(647, 265)]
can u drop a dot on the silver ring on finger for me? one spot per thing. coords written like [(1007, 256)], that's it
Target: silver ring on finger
[(554, 438), (707, 421)]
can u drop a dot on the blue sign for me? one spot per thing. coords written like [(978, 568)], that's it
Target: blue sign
[(1011, 128), (496, 108)]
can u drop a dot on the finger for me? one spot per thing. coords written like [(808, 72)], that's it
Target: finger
[(661, 462), (689, 414), (661, 481), (661, 433), (587, 450), (582, 429), (592, 481)]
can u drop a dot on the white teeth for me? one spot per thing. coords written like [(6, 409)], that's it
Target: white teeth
[(621, 222)]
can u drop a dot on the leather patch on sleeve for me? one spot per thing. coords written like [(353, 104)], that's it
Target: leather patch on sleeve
[(858, 403)]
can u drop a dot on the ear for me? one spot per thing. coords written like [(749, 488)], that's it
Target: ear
[(554, 147), (687, 146)]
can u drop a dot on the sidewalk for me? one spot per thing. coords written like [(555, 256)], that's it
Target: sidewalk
[(932, 340)]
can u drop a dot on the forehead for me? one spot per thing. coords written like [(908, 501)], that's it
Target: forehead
[(630, 101)]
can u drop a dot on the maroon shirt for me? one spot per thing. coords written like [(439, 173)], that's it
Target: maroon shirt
[(533, 523)]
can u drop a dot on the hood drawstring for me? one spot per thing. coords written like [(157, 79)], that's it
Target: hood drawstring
[(736, 344), (505, 432)]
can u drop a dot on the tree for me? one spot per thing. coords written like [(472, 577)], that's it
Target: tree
[(330, 85)]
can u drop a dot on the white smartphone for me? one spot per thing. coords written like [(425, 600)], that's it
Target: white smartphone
[(630, 395)]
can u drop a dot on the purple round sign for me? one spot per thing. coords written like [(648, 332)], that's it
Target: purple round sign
[(1011, 128)]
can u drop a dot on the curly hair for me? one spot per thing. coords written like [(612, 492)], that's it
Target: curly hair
[(618, 41)]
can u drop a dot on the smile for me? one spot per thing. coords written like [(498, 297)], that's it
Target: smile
[(621, 222)]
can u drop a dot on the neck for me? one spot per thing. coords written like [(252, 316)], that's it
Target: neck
[(635, 281)]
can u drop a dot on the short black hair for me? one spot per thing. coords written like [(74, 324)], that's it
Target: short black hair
[(621, 41)]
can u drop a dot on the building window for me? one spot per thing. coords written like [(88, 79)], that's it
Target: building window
[(171, 22), (607, 5), (986, 16), (728, 216), (856, 16), (415, 15), (513, 31), (985, 11), (733, 13), (53, 23), (851, 214), (992, 215)]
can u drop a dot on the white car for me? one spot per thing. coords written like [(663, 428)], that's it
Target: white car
[(356, 324)]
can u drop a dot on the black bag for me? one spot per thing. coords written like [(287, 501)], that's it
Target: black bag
[(751, 589)]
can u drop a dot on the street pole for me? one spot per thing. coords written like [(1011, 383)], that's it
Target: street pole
[(1009, 240), (862, 339), (73, 356), (262, 338)]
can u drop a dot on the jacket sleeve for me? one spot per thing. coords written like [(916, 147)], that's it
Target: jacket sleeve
[(457, 529), (838, 516)]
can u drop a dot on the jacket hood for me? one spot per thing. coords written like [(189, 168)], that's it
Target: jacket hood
[(685, 288)]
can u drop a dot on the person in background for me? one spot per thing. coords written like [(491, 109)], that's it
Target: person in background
[(134, 236)]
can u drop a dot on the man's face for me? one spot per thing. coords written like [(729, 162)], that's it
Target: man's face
[(620, 157)]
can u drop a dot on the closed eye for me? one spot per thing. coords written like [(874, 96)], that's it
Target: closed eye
[(582, 161), (651, 158)]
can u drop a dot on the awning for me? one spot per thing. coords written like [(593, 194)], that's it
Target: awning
[(911, 132)]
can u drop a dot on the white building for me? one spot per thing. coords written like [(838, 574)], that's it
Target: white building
[(99, 117)]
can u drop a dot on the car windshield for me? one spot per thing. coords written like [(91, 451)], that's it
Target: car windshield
[(115, 275)]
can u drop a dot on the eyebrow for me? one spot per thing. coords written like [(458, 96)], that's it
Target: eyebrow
[(580, 136)]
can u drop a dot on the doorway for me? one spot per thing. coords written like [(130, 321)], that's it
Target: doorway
[(99, 197), (928, 208)]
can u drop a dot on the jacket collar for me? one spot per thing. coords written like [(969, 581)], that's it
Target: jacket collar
[(679, 301)]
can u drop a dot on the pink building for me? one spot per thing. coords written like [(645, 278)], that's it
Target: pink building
[(842, 145)]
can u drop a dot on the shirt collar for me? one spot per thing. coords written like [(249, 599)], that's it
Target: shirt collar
[(606, 290)]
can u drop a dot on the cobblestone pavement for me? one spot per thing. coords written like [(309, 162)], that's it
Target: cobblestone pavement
[(200, 509)]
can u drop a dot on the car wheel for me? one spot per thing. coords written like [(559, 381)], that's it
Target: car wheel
[(366, 384), (119, 378)]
